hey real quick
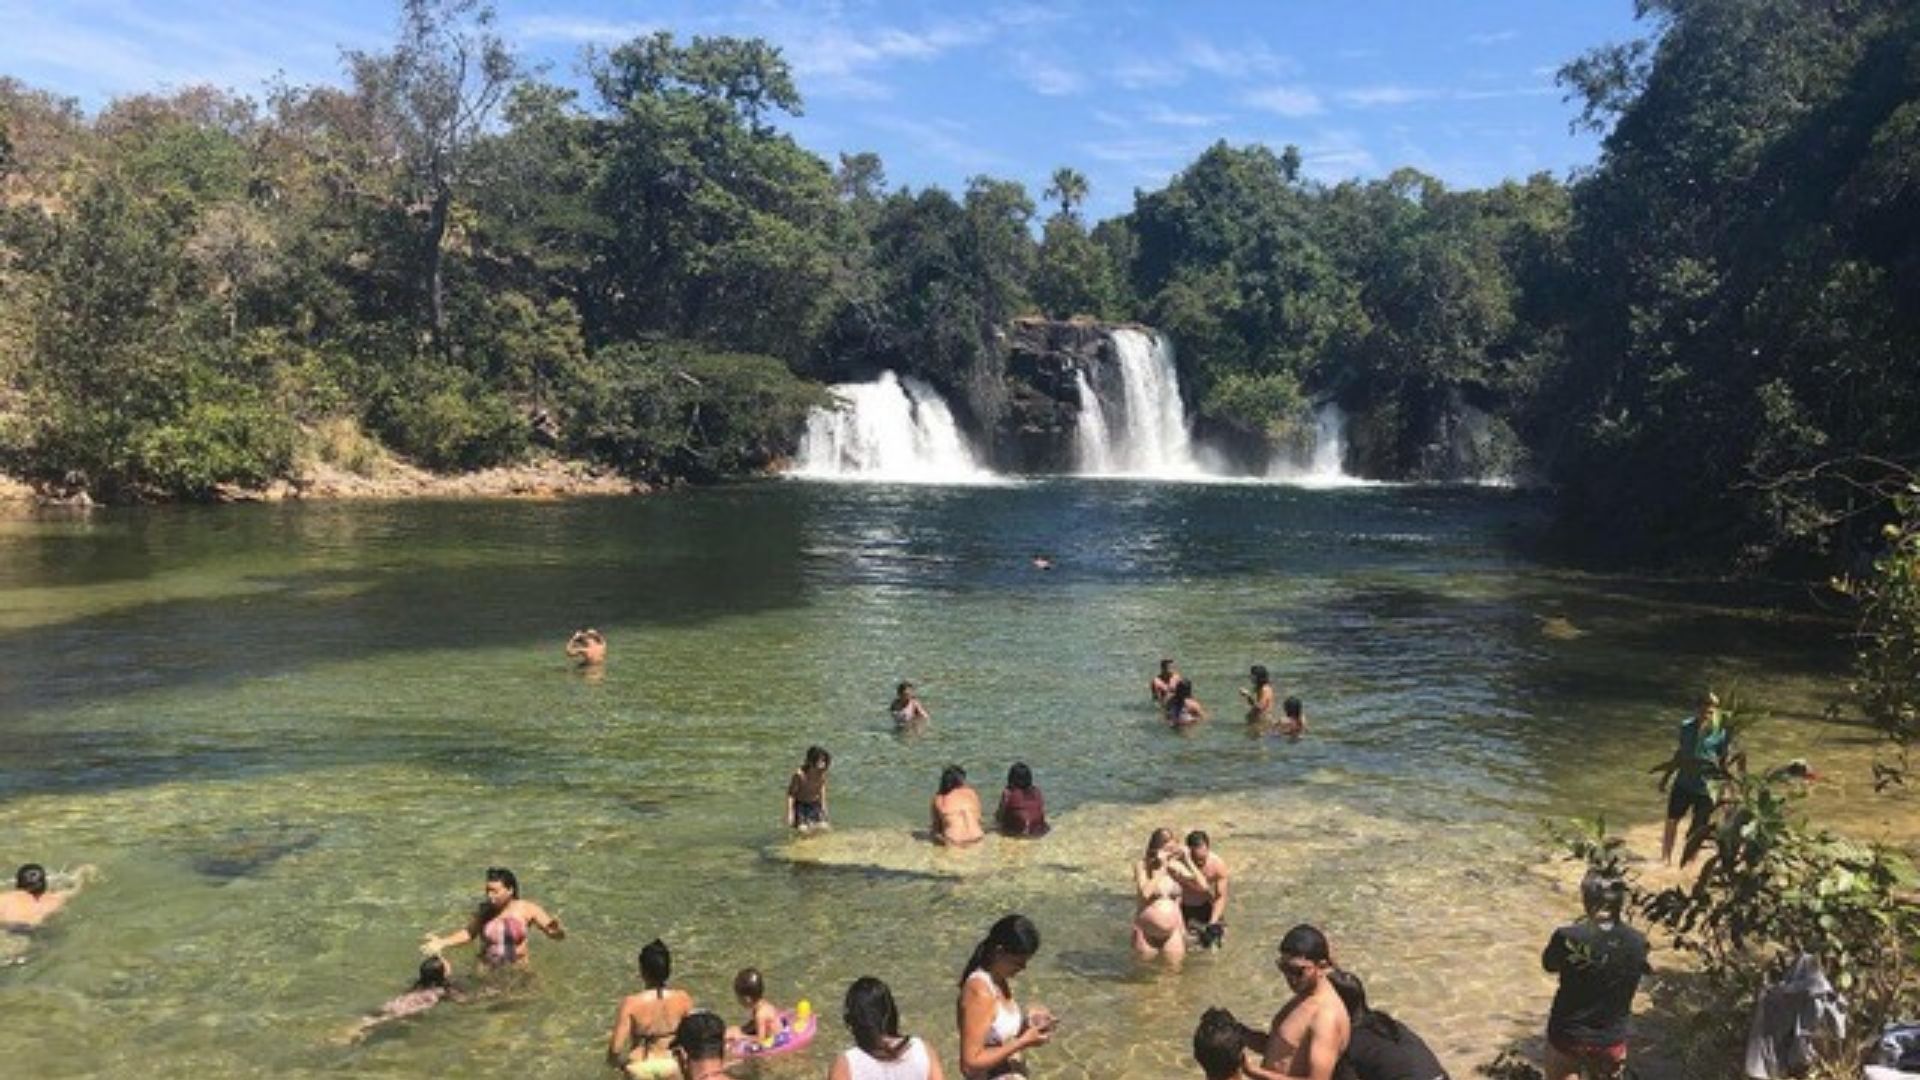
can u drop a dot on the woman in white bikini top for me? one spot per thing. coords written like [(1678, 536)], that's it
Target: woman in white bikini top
[(992, 1032)]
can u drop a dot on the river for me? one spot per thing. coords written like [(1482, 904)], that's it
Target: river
[(293, 736)]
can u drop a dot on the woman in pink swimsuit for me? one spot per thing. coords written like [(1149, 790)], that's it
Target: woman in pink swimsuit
[(500, 924)]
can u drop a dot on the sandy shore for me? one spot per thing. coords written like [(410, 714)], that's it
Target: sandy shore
[(551, 478)]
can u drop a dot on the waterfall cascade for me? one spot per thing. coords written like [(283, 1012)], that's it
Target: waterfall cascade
[(891, 429), (1323, 464), (1149, 437)]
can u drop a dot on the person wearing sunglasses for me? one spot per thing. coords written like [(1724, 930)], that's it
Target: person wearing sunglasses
[(1310, 1032)]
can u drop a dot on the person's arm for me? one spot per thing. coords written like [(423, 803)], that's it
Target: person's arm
[(548, 925), (1554, 957), (839, 1071), (1181, 869), (976, 1019), (1271, 1067), (1323, 1045), (1219, 883), (435, 943), (1199, 710), (621, 1038), (937, 821), (934, 1071), (1142, 881), (793, 789), (826, 814)]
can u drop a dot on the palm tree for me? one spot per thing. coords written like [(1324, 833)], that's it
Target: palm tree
[(1070, 187)]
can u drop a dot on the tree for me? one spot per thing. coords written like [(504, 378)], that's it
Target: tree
[(1069, 187), (434, 95)]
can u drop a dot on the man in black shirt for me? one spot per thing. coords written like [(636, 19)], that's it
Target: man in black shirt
[(1599, 960)]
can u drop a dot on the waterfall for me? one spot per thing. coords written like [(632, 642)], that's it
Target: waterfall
[(1151, 436), (1323, 464), (892, 429), (1091, 442)]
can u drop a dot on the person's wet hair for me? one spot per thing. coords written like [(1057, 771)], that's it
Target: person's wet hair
[(1307, 943), (1219, 1044), (505, 877), (748, 984), (951, 777), (818, 758), (1013, 935), (1260, 676), (702, 1035), (31, 878), (1199, 838), (1291, 707), (901, 690), (1353, 994), (656, 963), (1602, 892), (434, 971), (874, 1019), (1019, 778)]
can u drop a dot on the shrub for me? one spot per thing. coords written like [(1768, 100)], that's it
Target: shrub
[(445, 418)]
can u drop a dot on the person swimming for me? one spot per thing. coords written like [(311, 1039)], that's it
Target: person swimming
[(907, 711), (432, 987), (587, 647), (31, 902)]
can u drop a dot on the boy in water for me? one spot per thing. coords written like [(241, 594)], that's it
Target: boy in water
[(763, 1017), (1161, 685), (1702, 755), (807, 792), (29, 903)]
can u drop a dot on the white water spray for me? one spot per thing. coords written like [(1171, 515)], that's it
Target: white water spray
[(893, 429), (1150, 438), (1092, 444), (1324, 463)]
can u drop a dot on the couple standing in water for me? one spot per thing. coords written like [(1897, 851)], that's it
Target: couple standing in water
[(1177, 890)]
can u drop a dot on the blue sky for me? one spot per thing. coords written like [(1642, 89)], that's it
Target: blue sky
[(1127, 92)]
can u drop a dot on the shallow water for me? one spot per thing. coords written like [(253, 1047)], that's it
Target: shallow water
[(293, 736)]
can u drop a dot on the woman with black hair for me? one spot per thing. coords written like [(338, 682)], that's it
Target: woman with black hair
[(644, 1026), (1022, 810), (879, 1051), (500, 924), (1381, 1048), (993, 1033), (956, 810)]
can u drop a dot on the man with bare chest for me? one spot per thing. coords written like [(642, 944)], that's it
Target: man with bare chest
[(1309, 1033)]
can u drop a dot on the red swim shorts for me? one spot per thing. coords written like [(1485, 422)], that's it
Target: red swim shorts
[(1597, 1053)]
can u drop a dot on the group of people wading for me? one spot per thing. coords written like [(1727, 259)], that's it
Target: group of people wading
[(1326, 1028)]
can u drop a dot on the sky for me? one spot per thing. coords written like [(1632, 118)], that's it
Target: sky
[(1126, 91)]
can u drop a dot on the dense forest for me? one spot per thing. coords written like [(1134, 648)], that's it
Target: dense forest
[(1706, 342)]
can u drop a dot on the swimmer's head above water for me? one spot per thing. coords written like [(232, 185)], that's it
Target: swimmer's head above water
[(31, 879), (434, 971), (502, 886)]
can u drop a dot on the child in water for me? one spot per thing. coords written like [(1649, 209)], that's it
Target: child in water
[(430, 989), (1294, 718), (807, 791), (763, 1017)]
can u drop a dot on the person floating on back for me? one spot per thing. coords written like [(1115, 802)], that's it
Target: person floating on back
[(1600, 961), (1701, 756), (807, 792), (763, 1017)]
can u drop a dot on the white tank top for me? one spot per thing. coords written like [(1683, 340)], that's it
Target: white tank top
[(911, 1065), (1006, 1014)]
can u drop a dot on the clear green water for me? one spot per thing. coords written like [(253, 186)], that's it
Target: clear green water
[(293, 736)]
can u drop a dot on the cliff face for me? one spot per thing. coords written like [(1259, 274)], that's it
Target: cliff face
[(1036, 432)]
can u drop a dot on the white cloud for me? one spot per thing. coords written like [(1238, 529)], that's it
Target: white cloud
[(1248, 61), (1111, 119), (1284, 100), (948, 140), (1367, 97), (578, 30), (1161, 114), (1496, 37), (1045, 77), (1336, 155), (1145, 74)]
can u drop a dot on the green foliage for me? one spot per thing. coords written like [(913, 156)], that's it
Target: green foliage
[(449, 419), (1072, 275), (1886, 681), (669, 411), (1269, 404)]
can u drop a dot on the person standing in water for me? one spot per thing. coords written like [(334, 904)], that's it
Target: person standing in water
[(1259, 697), (1203, 903), (1294, 718), (993, 1033), (1310, 1032), (700, 1047), (500, 924), (879, 1051), (1600, 961), (807, 791), (1701, 756), (1161, 685), (646, 1020), (1161, 876), (1382, 1048), (956, 810), (587, 647), (1182, 707), (907, 711)]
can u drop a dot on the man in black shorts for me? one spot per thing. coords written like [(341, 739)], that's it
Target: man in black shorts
[(1203, 904)]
